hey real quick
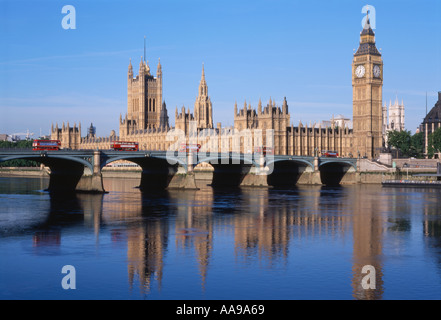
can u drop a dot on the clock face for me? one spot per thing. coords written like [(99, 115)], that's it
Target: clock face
[(377, 71), (360, 71)]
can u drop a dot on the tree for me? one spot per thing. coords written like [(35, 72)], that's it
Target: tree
[(21, 144), (434, 143), (417, 145), (400, 140)]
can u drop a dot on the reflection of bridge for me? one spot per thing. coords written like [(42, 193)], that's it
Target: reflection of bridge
[(81, 169)]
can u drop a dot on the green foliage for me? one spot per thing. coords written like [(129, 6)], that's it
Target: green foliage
[(434, 143), (417, 145), (22, 144), (400, 140), (409, 145)]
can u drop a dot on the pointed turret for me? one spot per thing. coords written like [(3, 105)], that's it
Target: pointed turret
[(141, 68), (285, 106), (130, 72), (367, 29), (203, 88), (203, 73), (367, 40), (159, 68)]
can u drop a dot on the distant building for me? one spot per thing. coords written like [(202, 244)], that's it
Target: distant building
[(393, 118), (431, 122), (340, 121), (91, 131)]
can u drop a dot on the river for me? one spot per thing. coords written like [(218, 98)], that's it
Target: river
[(309, 242)]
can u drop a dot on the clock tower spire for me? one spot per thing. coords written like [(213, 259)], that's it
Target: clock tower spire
[(367, 87)]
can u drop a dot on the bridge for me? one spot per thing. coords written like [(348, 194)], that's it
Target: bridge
[(81, 170)]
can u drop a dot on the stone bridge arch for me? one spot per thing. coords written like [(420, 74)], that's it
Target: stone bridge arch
[(229, 170), (288, 171), (337, 171), (159, 170), (67, 172)]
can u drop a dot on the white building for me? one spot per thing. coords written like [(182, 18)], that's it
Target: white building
[(393, 117)]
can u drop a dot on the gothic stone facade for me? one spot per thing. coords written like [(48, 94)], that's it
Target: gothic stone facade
[(147, 122)]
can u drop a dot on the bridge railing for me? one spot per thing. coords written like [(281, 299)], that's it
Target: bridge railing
[(15, 149)]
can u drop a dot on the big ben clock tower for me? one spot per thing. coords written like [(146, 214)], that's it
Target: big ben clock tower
[(367, 85)]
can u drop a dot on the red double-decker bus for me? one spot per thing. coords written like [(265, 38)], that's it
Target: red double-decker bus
[(124, 146), (46, 145), (332, 154)]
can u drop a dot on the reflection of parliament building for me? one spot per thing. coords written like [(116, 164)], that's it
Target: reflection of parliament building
[(147, 119), (266, 233)]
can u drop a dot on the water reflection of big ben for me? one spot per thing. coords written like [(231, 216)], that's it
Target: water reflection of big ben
[(367, 242)]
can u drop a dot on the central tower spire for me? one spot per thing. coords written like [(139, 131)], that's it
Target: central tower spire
[(203, 107)]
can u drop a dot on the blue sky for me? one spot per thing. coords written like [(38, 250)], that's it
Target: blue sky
[(301, 50)]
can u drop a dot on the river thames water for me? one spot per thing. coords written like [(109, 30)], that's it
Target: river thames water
[(309, 242)]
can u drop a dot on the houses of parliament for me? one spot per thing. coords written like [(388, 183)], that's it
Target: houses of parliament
[(147, 117)]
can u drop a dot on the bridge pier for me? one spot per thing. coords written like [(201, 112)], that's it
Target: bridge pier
[(185, 181), (92, 182), (254, 178), (164, 176)]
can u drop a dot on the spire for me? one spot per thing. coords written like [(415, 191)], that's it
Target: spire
[(259, 106), (203, 88), (367, 29), (141, 66), (285, 106), (159, 68), (203, 73), (367, 40), (130, 72)]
